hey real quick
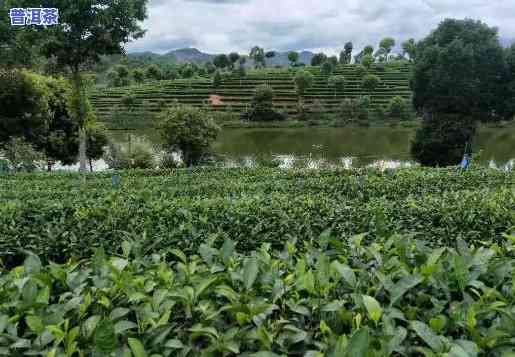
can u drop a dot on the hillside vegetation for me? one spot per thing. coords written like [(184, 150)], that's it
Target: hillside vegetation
[(235, 94)]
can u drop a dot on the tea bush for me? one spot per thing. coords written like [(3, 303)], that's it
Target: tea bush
[(63, 215), (320, 297)]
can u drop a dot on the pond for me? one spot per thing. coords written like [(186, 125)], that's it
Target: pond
[(358, 147)]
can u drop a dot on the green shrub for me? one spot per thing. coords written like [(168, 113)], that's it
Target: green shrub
[(398, 108), (189, 130), (324, 296), (262, 107), (184, 208), (370, 82)]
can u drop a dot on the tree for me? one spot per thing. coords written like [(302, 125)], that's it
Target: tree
[(21, 155), (210, 68), (187, 71), (169, 72), (123, 74), (60, 142), (509, 100), (338, 83), (318, 59), (293, 57), (333, 60), (367, 61), (398, 108), (241, 69), (303, 81), (36, 108), (86, 31), (217, 79), (458, 79), (221, 61), (409, 48), (257, 54), (327, 68), (460, 68), (97, 137), (188, 129), (360, 70), (370, 82), (368, 50), (261, 108), (385, 47), (233, 58), (443, 139), (24, 103), (346, 54), (138, 75), (153, 72)]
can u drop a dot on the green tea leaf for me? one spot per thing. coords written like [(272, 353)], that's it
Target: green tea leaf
[(137, 347), (402, 286), (174, 343), (35, 323), (427, 335), (119, 263), (90, 325), (358, 344), (345, 272), (124, 325), (227, 250), (373, 308), (32, 264), (250, 272), (105, 337)]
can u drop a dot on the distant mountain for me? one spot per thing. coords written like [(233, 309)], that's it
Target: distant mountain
[(193, 55), (184, 55)]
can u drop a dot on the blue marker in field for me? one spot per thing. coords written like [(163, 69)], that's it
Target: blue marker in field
[(465, 163), (116, 179)]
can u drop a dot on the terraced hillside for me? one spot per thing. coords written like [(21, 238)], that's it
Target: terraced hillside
[(235, 94)]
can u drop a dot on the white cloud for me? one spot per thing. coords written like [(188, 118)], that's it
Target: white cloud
[(237, 25)]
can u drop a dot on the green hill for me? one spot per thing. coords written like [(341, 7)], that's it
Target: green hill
[(235, 94)]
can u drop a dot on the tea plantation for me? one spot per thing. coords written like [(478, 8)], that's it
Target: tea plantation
[(235, 94), (258, 262)]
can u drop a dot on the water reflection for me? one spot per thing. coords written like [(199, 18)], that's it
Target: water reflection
[(314, 148)]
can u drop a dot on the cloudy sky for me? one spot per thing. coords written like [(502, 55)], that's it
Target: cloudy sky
[(217, 26)]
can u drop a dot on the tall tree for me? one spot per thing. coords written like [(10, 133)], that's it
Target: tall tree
[(233, 58), (36, 108), (409, 47), (460, 68), (257, 54), (153, 72), (348, 52), (87, 30), (318, 59), (189, 129), (303, 81), (338, 83), (458, 79), (385, 48), (221, 61), (293, 57), (327, 68)]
